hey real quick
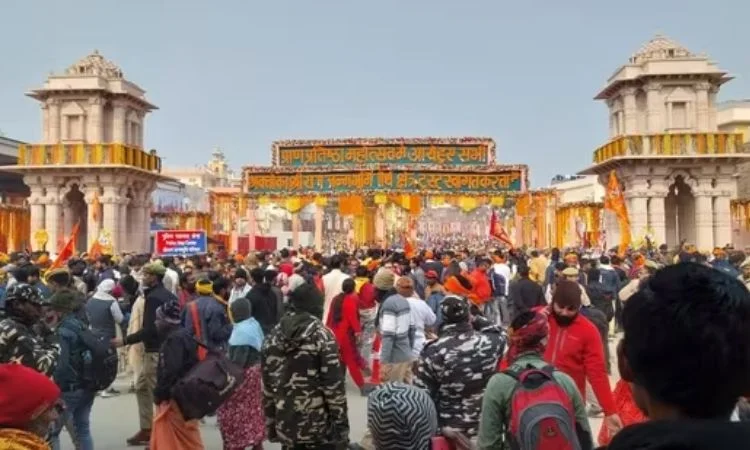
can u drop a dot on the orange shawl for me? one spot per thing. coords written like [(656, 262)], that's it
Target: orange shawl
[(453, 286)]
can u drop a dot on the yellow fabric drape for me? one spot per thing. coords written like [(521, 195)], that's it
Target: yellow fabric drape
[(380, 199)]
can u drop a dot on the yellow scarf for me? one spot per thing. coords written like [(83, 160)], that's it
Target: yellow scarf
[(359, 282), (13, 439)]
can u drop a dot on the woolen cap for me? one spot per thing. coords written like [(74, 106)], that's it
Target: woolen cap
[(25, 395), (155, 268), (384, 280), (567, 294), (401, 417), (570, 272)]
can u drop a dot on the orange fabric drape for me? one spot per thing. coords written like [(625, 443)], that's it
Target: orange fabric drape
[(615, 202)]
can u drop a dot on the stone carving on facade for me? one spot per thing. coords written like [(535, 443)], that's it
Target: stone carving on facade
[(95, 64)]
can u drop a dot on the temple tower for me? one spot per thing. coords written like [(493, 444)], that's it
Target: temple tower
[(678, 172), (90, 167)]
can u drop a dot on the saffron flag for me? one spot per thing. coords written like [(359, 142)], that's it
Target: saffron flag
[(70, 247), (498, 232), (614, 201)]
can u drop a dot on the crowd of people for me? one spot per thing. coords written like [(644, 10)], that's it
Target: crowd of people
[(488, 349)]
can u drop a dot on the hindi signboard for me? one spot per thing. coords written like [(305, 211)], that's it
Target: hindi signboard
[(384, 181), (180, 242), (441, 155)]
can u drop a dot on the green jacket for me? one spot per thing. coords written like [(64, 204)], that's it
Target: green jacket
[(496, 404)]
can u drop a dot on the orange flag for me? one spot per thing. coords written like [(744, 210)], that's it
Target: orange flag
[(498, 232), (614, 200), (70, 247)]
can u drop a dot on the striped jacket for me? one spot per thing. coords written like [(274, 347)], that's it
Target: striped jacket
[(396, 330)]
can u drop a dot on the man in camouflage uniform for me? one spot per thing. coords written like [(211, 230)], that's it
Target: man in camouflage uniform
[(304, 396), (24, 339), (456, 367)]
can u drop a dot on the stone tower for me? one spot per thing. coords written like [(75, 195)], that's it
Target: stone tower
[(677, 170)]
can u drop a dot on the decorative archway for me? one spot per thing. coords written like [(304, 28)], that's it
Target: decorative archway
[(679, 209)]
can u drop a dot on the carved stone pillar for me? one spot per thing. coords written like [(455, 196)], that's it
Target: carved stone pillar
[(656, 217), (702, 107), (145, 225), (126, 245), (654, 106), (704, 220), (52, 222), (111, 212), (53, 124), (36, 210), (636, 195), (722, 218), (629, 110), (118, 122), (95, 120), (94, 219)]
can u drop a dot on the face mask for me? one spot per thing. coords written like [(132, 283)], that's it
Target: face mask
[(563, 321)]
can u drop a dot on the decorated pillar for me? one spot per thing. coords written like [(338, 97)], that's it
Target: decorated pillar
[(94, 218), (36, 212), (722, 219), (53, 126), (118, 125), (145, 225), (295, 230), (111, 215), (95, 120), (318, 227), (380, 224), (251, 223), (657, 217), (704, 220), (629, 111), (52, 216), (134, 220)]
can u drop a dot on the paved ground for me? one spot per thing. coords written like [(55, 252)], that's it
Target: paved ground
[(115, 419)]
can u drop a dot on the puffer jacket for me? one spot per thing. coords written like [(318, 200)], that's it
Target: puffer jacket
[(455, 369), (304, 395), (577, 350)]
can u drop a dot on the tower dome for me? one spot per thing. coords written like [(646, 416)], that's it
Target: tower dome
[(95, 64)]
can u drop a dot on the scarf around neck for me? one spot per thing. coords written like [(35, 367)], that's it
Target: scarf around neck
[(247, 332)]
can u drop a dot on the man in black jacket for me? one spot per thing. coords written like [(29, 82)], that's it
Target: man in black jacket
[(524, 294), (155, 295)]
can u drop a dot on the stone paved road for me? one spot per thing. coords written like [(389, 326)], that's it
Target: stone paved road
[(115, 419)]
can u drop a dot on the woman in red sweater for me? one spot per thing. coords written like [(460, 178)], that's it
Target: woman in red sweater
[(343, 320)]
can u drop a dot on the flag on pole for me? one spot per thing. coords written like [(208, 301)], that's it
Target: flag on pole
[(70, 247), (498, 232)]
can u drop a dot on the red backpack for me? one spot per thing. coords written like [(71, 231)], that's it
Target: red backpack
[(541, 412)]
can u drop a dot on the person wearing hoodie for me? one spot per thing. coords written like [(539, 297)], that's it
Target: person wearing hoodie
[(302, 367), (685, 355), (263, 301), (240, 418)]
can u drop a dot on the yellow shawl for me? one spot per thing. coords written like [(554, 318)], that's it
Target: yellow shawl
[(13, 439)]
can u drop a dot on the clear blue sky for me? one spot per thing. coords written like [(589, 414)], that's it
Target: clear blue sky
[(240, 74)]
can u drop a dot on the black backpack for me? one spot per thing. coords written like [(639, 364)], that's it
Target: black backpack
[(99, 363), (207, 385)]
